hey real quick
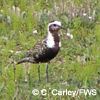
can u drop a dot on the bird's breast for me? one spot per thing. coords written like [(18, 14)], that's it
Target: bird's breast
[(48, 54)]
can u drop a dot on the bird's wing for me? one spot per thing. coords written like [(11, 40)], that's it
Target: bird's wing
[(37, 50)]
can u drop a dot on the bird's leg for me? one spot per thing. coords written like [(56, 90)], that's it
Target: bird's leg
[(47, 76), (14, 65), (39, 72), (25, 72)]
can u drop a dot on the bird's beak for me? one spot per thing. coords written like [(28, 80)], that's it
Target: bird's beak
[(63, 28)]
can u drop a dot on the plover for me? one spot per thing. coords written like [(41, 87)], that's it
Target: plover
[(45, 50)]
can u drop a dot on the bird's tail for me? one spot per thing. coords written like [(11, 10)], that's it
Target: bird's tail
[(27, 59)]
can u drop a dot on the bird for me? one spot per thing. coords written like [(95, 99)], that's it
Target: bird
[(45, 50)]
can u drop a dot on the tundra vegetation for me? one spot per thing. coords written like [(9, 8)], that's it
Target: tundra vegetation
[(24, 22)]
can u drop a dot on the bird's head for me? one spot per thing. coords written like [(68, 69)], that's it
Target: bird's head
[(54, 26)]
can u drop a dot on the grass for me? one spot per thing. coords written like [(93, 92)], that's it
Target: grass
[(76, 66)]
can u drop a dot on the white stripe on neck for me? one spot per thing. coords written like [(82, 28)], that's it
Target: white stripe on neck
[(50, 40)]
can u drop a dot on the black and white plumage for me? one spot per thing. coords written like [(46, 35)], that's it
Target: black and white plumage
[(47, 49)]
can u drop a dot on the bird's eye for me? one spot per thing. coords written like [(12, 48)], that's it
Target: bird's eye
[(54, 24)]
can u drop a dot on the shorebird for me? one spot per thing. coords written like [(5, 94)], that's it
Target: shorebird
[(44, 51)]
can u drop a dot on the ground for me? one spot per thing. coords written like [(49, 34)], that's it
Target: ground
[(77, 66)]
